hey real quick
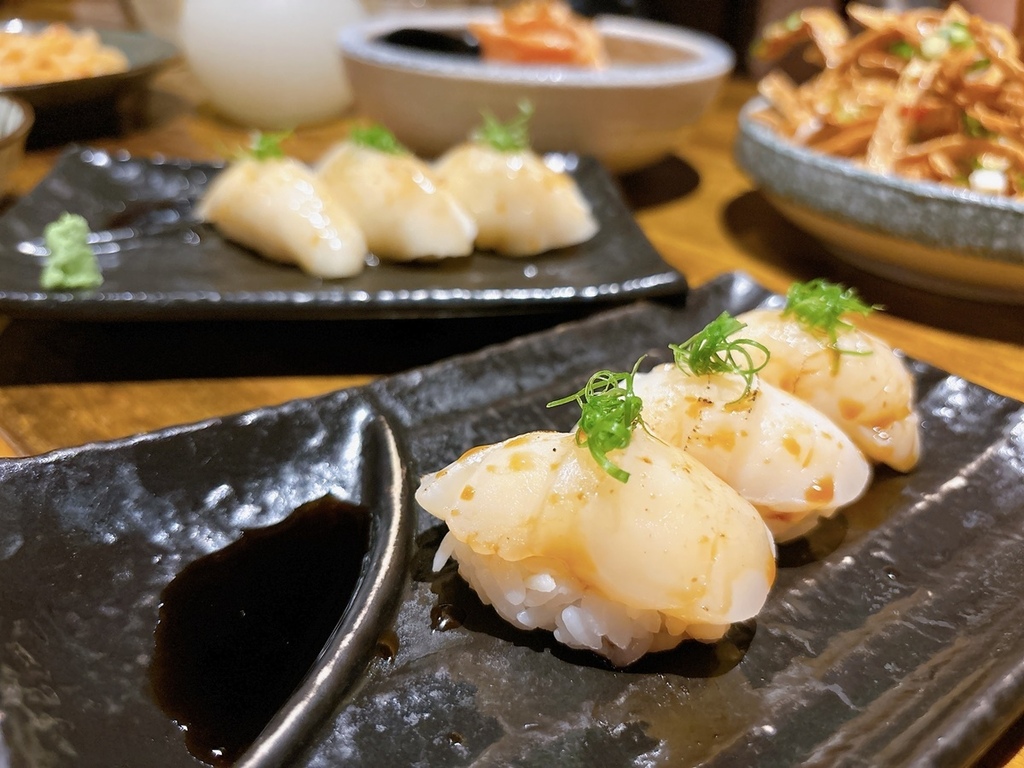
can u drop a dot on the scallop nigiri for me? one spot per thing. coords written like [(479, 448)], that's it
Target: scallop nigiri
[(621, 548), (395, 199), (851, 376), (277, 207), (521, 206), (782, 455)]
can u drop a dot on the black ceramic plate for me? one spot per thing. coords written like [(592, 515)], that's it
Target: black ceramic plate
[(890, 638), (160, 264), (146, 54)]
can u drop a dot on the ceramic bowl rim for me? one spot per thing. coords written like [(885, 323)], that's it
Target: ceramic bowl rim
[(924, 190), (935, 206), (21, 131), (713, 58)]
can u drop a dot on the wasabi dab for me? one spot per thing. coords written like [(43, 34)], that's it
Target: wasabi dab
[(71, 264)]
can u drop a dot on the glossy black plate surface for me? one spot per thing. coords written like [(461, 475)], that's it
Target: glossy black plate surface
[(890, 638), (90, 538), (159, 263)]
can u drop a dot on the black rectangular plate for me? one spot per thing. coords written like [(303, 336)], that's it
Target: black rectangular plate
[(896, 642), (163, 265)]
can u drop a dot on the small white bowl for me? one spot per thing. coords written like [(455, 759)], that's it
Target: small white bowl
[(661, 79), (16, 118), (932, 236)]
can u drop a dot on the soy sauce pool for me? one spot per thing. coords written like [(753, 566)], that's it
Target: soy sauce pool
[(241, 627), (457, 42)]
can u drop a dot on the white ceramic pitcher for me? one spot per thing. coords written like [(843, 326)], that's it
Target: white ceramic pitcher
[(269, 64)]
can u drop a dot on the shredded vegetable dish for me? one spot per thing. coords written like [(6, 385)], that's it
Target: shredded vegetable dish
[(56, 53), (927, 94)]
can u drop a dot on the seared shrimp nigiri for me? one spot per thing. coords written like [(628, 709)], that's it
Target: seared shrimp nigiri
[(851, 376), (610, 538), (521, 206), (783, 456), (395, 199), (278, 208)]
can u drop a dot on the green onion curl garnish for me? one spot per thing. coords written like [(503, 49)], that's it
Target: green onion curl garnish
[(513, 136), (377, 137), (819, 306), (713, 351), (266, 146), (609, 412)]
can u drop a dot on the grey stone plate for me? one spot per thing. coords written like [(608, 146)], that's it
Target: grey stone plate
[(938, 237), (159, 263), (892, 637)]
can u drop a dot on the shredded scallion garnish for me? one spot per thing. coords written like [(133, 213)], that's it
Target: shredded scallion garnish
[(609, 412), (266, 146), (978, 65), (903, 49), (377, 137), (952, 35), (713, 351), (958, 35), (974, 128), (513, 136), (819, 306)]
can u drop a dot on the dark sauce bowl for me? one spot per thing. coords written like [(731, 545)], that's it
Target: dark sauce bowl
[(94, 539), (369, 613), (455, 42)]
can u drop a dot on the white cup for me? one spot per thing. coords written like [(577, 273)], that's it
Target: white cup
[(270, 64)]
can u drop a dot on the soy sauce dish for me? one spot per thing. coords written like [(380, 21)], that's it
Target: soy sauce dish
[(418, 74)]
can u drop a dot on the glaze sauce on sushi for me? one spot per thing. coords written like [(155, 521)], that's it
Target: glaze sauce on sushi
[(240, 627)]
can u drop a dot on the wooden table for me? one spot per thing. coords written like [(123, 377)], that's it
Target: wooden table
[(63, 384)]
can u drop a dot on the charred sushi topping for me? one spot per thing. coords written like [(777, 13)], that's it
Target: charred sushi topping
[(609, 412), (513, 136), (819, 306), (266, 146), (377, 137), (712, 351)]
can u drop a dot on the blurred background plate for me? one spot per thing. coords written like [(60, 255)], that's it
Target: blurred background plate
[(160, 263), (146, 54), (67, 110)]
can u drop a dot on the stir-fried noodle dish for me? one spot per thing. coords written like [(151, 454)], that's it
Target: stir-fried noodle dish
[(55, 53), (927, 94)]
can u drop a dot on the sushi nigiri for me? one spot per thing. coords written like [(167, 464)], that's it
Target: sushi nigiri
[(277, 207), (521, 206), (395, 199), (782, 455), (610, 538), (851, 376)]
